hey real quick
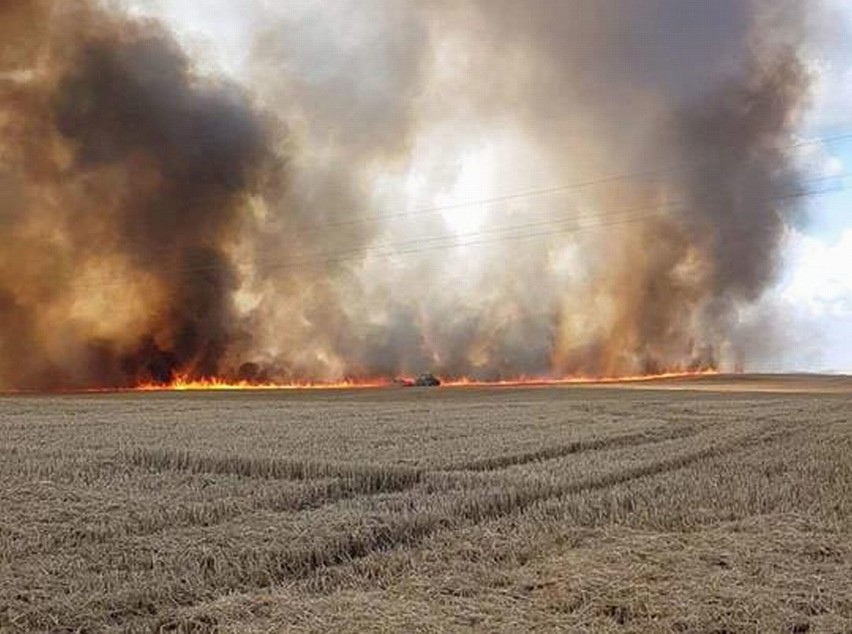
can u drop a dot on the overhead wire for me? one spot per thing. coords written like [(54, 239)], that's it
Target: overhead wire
[(542, 191), (361, 218), (629, 219), (445, 242)]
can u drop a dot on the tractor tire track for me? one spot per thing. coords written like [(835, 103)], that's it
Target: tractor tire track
[(206, 574)]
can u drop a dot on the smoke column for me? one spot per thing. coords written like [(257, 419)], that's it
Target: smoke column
[(128, 179), (157, 221)]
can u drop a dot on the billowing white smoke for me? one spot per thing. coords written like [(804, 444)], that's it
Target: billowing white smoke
[(484, 188)]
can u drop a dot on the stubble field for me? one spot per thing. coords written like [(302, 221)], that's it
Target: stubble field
[(716, 505)]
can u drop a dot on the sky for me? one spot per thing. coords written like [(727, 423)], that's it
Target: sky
[(816, 284), (814, 292)]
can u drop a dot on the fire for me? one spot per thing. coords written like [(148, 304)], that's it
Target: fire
[(183, 383), (577, 380)]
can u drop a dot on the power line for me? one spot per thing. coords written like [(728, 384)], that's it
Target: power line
[(542, 191), (631, 211), (534, 192), (390, 250), (638, 217), (592, 215), (657, 207)]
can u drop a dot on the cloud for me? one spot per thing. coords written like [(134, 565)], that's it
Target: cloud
[(820, 275), (815, 299)]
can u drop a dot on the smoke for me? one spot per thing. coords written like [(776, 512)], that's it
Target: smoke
[(159, 221), (130, 176)]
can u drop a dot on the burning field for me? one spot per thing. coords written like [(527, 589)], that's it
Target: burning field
[(307, 220), (563, 217)]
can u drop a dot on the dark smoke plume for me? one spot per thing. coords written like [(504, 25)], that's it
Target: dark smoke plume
[(126, 164), (157, 221)]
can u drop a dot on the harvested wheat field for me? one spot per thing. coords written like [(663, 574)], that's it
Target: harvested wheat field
[(724, 505)]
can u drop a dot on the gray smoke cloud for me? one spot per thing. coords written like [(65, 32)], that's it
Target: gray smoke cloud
[(164, 222)]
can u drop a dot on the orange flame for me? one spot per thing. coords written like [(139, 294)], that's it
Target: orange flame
[(578, 380), (183, 383)]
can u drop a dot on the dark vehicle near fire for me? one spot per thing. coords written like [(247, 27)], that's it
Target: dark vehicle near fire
[(427, 379)]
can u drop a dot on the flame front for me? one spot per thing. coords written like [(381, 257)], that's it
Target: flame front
[(183, 383)]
